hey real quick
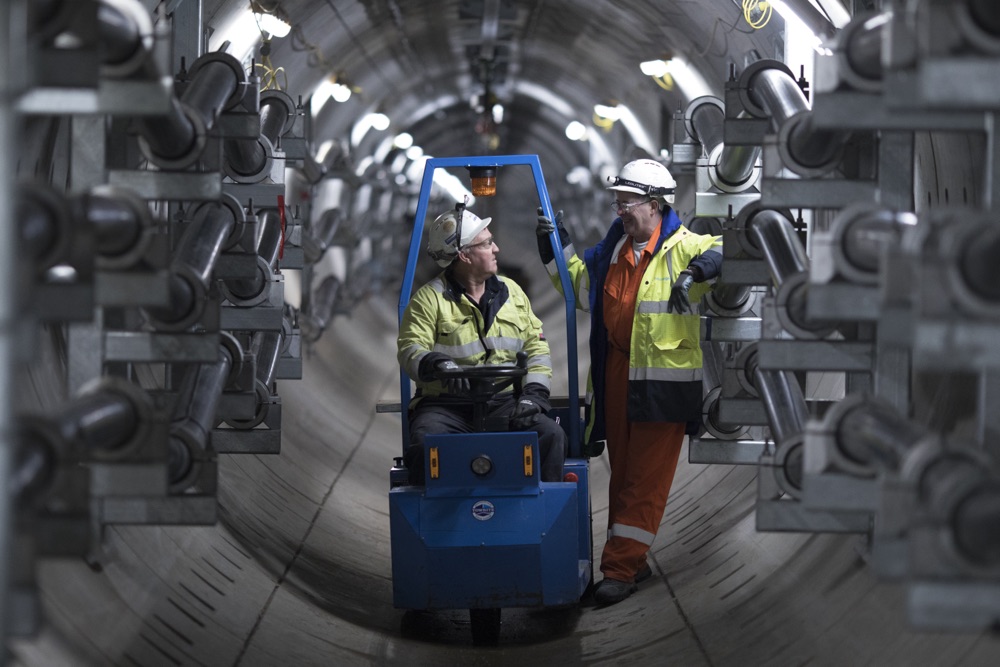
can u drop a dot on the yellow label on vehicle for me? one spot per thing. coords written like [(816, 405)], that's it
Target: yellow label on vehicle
[(435, 465)]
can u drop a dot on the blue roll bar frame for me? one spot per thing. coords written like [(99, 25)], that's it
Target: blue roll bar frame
[(575, 442)]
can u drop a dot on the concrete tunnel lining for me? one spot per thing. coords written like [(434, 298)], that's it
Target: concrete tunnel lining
[(298, 572)]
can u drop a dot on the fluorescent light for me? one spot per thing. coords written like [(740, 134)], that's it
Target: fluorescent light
[(606, 111), (403, 140), (653, 67), (379, 121), (687, 78), (795, 29), (270, 23), (576, 131), (340, 93)]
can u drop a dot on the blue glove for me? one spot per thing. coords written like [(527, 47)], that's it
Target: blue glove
[(542, 231), (526, 414), (457, 386), (679, 301)]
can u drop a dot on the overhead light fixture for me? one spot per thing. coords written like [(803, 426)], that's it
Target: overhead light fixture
[(340, 93), (272, 25), (608, 111), (379, 121), (576, 131), (403, 140), (654, 68)]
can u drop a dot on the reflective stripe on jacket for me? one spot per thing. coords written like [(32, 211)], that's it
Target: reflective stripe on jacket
[(665, 351), (440, 320)]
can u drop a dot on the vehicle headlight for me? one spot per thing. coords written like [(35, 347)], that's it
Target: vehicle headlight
[(482, 465)]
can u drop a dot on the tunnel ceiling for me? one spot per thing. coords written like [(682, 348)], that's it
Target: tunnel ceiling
[(427, 63)]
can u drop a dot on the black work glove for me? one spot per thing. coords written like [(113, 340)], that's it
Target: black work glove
[(679, 301), (542, 231), (526, 414), (452, 385)]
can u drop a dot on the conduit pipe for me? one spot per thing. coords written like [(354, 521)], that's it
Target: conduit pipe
[(247, 292), (195, 416), (191, 268), (248, 159), (782, 397), (875, 435), (733, 167), (104, 420), (266, 349), (860, 235), (774, 234), (772, 92), (216, 82)]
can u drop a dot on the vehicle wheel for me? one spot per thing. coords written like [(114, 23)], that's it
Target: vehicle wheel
[(485, 626)]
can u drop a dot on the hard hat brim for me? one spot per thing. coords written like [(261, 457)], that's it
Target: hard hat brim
[(626, 188)]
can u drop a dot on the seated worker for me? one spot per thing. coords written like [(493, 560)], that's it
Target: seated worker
[(469, 316)]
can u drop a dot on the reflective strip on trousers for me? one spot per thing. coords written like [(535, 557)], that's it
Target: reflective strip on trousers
[(631, 532)]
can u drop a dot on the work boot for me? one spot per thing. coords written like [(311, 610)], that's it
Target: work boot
[(644, 573), (611, 591)]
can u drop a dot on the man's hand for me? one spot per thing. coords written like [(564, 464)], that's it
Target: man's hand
[(526, 414), (679, 301), (452, 385), (546, 227)]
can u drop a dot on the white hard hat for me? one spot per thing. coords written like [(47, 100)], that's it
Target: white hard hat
[(443, 234), (645, 177)]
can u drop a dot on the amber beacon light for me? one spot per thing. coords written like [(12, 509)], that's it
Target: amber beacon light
[(484, 181)]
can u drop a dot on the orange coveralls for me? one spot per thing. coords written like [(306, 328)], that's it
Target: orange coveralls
[(643, 455)]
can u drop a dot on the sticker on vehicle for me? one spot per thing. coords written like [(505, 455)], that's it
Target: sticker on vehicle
[(483, 510)]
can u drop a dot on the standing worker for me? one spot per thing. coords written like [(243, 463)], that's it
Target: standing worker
[(469, 316), (644, 392)]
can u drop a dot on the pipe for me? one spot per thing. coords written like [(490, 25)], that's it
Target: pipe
[(117, 225), (735, 164), (321, 306), (783, 400), (195, 415), (876, 435), (120, 36), (776, 237), (986, 14), (863, 48), (775, 91), (268, 246), (863, 235), (104, 420), (978, 264), (708, 120), (975, 525), (194, 259), (41, 219), (173, 139)]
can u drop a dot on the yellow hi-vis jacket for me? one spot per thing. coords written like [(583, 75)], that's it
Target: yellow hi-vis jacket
[(441, 322), (665, 361)]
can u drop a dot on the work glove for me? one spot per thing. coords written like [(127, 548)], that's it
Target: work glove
[(526, 414), (679, 302), (542, 231), (455, 386)]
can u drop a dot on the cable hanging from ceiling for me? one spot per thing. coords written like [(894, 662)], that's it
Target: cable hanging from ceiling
[(757, 13)]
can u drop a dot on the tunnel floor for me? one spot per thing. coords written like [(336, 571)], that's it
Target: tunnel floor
[(297, 571)]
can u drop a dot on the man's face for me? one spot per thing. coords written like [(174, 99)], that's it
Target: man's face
[(640, 215), (481, 253)]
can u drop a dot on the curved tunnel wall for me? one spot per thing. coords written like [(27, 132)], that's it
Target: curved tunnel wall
[(297, 570)]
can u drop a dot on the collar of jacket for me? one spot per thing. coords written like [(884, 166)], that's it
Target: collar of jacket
[(455, 290)]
